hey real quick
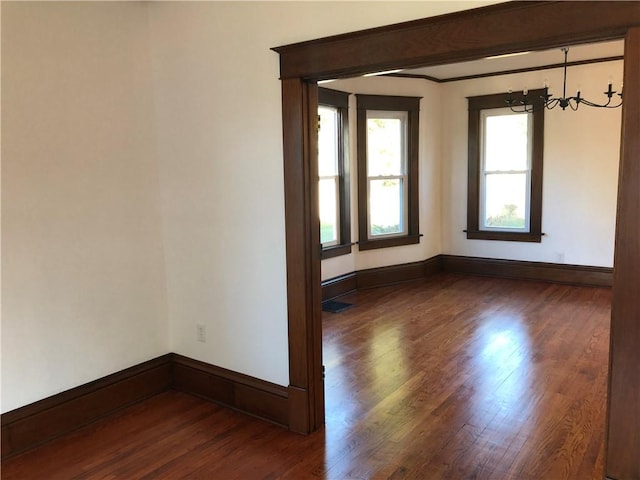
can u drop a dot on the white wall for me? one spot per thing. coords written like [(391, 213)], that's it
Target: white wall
[(429, 175), (581, 156), (220, 153), (82, 267), (142, 182)]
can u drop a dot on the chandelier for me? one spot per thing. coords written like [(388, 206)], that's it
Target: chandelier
[(550, 102)]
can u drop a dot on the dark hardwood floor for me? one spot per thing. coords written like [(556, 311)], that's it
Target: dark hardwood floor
[(455, 377)]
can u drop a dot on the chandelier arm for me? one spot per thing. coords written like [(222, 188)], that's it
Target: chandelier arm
[(519, 107), (523, 109), (591, 104), (599, 105)]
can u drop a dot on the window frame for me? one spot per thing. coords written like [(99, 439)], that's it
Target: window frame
[(340, 101), (477, 105), (410, 105), (403, 116)]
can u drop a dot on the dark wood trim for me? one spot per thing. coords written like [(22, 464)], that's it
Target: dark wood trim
[(37, 423), (338, 286), (388, 102), (315, 369), (579, 275), (340, 100), (499, 100), (432, 265), (537, 169), (532, 69), (249, 395), (504, 72), (411, 105), (546, 272), (304, 303), (335, 251), (499, 29), (390, 275), (334, 98), (44, 420), (361, 162), (413, 75), (623, 437), (379, 277), (298, 402), (473, 171), (503, 236), (494, 30), (485, 102), (387, 242)]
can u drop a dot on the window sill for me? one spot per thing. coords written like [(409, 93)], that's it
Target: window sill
[(504, 236), (389, 242), (335, 251)]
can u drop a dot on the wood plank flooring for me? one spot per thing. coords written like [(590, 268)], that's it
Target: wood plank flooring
[(455, 377)]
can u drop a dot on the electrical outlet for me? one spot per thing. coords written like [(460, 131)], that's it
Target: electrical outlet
[(201, 333)]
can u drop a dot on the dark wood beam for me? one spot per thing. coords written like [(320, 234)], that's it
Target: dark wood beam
[(469, 35)]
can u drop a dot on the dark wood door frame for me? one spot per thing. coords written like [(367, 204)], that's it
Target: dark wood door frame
[(467, 35)]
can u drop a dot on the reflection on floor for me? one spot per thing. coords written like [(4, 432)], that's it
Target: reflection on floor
[(455, 377)]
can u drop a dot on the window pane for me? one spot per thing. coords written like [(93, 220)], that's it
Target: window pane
[(505, 200), (506, 142), (386, 207), (328, 141), (328, 210), (384, 146)]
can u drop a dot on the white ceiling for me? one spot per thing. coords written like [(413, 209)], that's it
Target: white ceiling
[(528, 60)]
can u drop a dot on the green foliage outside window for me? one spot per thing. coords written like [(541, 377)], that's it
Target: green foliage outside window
[(508, 218)]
